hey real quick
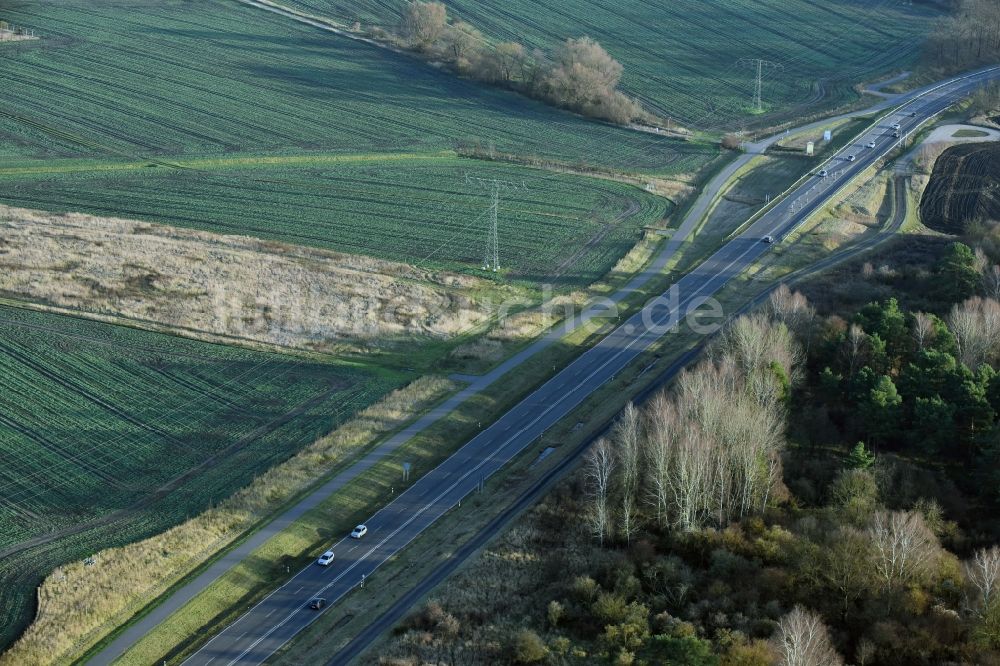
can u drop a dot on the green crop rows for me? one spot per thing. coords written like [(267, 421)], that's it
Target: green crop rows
[(681, 56), (419, 211), (213, 76), (98, 422)]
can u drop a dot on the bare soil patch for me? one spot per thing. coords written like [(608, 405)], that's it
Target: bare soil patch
[(964, 187)]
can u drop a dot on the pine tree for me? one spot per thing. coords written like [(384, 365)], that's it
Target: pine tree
[(860, 457)]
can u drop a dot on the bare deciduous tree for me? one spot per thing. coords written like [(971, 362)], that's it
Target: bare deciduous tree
[(923, 329), (462, 40), (600, 464), (983, 574), (424, 23), (712, 447), (903, 547), (991, 282), (794, 310), (976, 325), (981, 261), (756, 344), (585, 77), (803, 640), (845, 566), (627, 437), (658, 446), (854, 348)]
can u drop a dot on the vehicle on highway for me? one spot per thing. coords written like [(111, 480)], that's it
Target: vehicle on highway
[(767, 239), (851, 158), (359, 532), (317, 603), (325, 559), (913, 114), (895, 134), (895, 126), (823, 173), (871, 144)]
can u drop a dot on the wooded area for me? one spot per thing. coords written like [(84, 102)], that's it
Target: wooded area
[(968, 37), (802, 496)]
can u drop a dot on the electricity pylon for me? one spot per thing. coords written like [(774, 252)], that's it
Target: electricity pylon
[(759, 64), (491, 256)]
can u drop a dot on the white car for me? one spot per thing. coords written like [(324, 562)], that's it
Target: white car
[(767, 239), (823, 173), (359, 532), (851, 158), (895, 126), (871, 144), (325, 559)]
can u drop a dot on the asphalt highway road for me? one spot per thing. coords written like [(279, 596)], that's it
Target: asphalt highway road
[(279, 617)]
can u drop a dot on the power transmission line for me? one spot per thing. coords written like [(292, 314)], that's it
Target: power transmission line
[(491, 255), (759, 64)]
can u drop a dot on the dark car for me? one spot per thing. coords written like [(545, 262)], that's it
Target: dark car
[(318, 603)]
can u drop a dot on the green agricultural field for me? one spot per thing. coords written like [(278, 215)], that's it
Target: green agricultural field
[(109, 434), (420, 210), (143, 79), (681, 57)]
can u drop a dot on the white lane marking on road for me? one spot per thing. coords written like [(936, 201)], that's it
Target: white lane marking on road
[(300, 589)]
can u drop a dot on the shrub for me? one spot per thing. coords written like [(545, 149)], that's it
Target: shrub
[(585, 589), (555, 613), (609, 608), (528, 647)]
